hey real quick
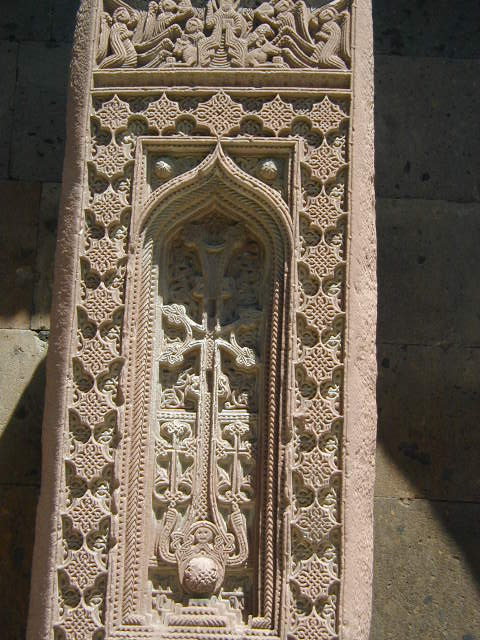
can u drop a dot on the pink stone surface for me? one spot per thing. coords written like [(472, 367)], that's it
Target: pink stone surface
[(353, 611)]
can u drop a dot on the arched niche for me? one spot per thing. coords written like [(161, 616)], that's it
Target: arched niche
[(207, 399)]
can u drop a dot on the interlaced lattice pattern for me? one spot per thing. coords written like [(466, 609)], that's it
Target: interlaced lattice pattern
[(97, 366)]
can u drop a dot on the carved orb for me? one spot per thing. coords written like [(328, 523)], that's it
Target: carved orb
[(163, 168), (268, 170), (201, 575)]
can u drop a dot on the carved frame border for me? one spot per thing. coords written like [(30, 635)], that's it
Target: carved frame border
[(123, 587)]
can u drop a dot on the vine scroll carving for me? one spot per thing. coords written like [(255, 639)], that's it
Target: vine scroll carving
[(203, 482)]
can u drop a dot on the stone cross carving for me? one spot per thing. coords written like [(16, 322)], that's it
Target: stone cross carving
[(210, 423), (201, 544)]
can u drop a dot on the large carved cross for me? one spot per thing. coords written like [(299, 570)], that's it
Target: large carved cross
[(215, 246)]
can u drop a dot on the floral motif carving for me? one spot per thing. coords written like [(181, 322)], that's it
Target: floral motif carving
[(162, 113), (220, 114), (277, 114)]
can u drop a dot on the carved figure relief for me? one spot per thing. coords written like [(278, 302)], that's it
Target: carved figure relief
[(282, 33), (202, 463)]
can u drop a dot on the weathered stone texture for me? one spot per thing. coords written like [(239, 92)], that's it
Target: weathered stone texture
[(22, 355), (34, 76), (63, 20), (26, 20), (424, 128), (47, 232), (21, 399), (427, 563), (18, 241), (39, 121), (8, 55), (427, 255), (426, 574), (428, 399), (38, 20), (17, 517), (433, 28)]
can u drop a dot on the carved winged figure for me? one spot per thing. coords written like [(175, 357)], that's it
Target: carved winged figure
[(290, 21), (226, 44), (332, 36), (142, 38), (280, 32), (188, 46), (286, 14), (120, 40), (261, 50), (147, 24), (167, 28)]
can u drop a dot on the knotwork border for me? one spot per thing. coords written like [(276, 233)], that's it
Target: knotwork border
[(320, 123)]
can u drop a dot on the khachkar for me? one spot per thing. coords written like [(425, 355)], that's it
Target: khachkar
[(210, 419)]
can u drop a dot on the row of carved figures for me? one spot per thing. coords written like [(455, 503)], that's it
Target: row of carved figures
[(279, 33)]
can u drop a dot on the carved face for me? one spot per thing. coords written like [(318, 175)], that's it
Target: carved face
[(327, 14), (203, 535), (194, 25), (121, 15), (152, 8), (169, 5)]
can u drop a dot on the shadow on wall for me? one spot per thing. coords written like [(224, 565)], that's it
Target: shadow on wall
[(428, 222), (34, 51), (20, 462)]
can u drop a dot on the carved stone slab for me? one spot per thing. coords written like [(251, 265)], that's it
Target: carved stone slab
[(210, 420)]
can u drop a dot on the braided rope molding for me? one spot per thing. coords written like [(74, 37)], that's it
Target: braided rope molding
[(183, 195)]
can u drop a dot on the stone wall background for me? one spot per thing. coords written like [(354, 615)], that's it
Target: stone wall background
[(427, 504)]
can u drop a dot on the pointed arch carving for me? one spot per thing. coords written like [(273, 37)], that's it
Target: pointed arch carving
[(223, 443)]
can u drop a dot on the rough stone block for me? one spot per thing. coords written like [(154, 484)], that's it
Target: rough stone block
[(428, 435), (39, 123), (8, 56), (45, 256), (25, 20), (427, 272), (18, 242), (17, 516), (63, 19), (22, 381), (427, 567), (425, 128), (424, 28)]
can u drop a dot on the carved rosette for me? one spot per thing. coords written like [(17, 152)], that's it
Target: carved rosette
[(202, 532)]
